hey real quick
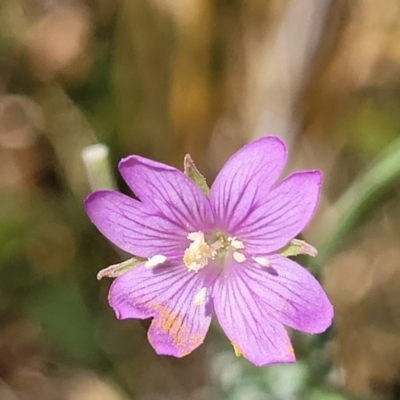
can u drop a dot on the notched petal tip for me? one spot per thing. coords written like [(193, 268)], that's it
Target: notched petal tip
[(304, 178), (287, 356), (167, 191), (121, 311), (326, 315), (92, 198), (269, 140), (130, 161), (285, 359), (263, 360), (283, 214), (245, 179), (172, 334), (95, 203), (167, 295), (88, 199), (304, 303), (272, 146), (316, 175)]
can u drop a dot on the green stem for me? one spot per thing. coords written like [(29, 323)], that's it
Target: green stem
[(349, 207), (96, 160)]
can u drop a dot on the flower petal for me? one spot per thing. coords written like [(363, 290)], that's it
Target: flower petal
[(168, 294), (246, 178), (288, 293), (245, 320), (286, 210), (169, 191), (133, 226)]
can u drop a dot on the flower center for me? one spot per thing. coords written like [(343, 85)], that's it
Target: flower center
[(200, 251), (197, 254)]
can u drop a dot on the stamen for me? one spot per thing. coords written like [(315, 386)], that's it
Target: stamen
[(239, 257), (200, 297), (155, 260), (195, 236), (237, 244), (197, 254), (217, 245), (261, 261)]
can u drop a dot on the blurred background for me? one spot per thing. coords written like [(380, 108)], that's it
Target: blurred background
[(163, 78)]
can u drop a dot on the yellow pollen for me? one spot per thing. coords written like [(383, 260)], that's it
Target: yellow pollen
[(239, 257), (197, 254), (155, 260), (200, 297), (261, 261)]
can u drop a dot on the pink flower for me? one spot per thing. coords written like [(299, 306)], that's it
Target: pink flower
[(219, 254)]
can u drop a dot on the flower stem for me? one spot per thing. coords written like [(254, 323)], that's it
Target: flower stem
[(97, 165), (354, 201)]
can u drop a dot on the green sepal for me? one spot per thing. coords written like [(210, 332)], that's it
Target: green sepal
[(297, 247), (194, 174), (118, 269)]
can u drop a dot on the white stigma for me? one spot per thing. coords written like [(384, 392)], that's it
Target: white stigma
[(197, 254), (239, 257), (200, 297), (155, 260), (261, 261)]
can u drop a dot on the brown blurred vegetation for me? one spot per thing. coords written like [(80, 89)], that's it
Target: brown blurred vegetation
[(162, 78)]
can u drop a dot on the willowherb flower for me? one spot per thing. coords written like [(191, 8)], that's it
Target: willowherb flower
[(223, 252)]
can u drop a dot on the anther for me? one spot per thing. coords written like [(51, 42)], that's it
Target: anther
[(239, 257), (155, 260), (237, 244), (261, 261)]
